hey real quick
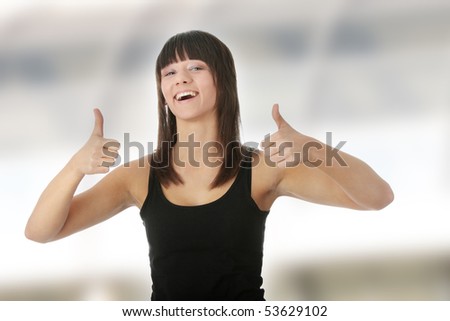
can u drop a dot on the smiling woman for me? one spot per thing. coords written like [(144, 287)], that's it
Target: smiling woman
[(188, 86), (200, 60), (205, 224)]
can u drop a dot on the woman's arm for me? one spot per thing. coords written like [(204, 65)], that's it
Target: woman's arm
[(58, 213), (311, 170)]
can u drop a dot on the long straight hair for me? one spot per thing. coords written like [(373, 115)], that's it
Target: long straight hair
[(200, 45)]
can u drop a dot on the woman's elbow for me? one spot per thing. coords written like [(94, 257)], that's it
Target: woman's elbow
[(384, 198), (33, 235)]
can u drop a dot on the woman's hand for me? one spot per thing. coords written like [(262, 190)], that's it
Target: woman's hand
[(58, 213), (285, 147), (99, 153)]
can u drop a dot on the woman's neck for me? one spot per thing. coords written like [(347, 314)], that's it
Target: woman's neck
[(202, 132), (197, 143)]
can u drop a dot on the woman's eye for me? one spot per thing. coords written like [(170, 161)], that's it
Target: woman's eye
[(167, 72), (196, 68)]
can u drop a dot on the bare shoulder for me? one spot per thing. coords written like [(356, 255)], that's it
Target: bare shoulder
[(135, 175), (265, 179), (270, 181)]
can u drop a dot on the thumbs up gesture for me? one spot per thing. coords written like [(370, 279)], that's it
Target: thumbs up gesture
[(99, 153), (283, 148)]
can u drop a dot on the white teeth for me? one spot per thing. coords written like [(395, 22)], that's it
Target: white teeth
[(185, 94)]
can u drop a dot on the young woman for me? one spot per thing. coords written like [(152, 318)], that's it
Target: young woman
[(203, 197)]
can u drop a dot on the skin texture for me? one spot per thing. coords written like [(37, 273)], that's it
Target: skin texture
[(58, 213)]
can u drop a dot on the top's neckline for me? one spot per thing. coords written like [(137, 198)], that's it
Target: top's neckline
[(213, 202)]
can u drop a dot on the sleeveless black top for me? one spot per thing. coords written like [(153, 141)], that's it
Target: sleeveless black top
[(206, 252)]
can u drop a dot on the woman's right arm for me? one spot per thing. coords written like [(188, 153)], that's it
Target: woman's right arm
[(58, 213)]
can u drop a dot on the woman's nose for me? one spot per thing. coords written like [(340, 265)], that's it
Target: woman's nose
[(183, 78)]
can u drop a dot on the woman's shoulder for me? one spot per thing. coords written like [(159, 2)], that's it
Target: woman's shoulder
[(264, 179), (135, 175)]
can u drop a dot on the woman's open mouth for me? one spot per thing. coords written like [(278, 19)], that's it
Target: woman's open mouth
[(185, 95)]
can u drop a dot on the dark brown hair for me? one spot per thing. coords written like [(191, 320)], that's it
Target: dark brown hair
[(199, 45)]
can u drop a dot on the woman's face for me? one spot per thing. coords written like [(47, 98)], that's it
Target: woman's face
[(189, 89)]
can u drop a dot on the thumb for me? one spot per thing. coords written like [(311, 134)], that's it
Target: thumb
[(98, 127), (279, 120)]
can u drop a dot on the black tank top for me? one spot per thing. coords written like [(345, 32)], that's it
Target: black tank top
[(206, 252)]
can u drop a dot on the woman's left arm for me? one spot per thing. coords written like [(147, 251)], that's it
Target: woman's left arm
[(311, 170)]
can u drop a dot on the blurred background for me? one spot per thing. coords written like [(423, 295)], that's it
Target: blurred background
[(374, 73)]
